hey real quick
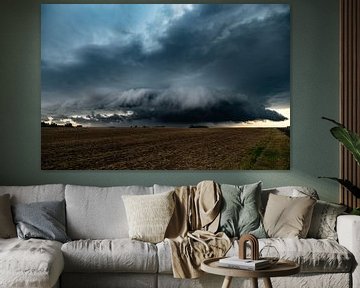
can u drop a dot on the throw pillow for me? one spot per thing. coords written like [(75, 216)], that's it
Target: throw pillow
[(240, 213), (44, 220), (7, 227), (323, 222), (149, 215), (288, 217), (291, 191)]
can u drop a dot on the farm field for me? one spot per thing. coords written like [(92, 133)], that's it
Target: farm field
[(64, 148)]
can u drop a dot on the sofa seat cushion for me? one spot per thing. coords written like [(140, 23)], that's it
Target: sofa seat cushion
[(30, 263), (115, 255), (109, 280), (313, 255)]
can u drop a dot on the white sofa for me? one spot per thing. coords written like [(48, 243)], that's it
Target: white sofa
[(101, 255)]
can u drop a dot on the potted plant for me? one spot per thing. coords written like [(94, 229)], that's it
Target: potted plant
[(351, 141)]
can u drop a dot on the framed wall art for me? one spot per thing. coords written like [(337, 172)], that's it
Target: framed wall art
[(165, 86)]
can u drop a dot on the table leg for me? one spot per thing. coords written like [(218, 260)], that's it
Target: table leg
[(254, 282), (227, 282), (267, 283)]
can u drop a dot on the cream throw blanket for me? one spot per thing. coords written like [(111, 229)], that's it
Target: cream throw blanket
[(191, 231)]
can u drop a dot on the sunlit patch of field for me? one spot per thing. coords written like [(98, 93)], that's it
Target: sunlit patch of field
[(164, 148)]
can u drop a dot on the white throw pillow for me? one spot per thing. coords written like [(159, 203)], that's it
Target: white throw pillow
[(149, 215)]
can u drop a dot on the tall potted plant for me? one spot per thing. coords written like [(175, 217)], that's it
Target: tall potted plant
[(351, 141)]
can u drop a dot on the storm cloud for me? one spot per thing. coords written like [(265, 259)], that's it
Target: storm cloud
[(187, 64)]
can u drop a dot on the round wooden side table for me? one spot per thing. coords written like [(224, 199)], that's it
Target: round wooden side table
[(281, 268)]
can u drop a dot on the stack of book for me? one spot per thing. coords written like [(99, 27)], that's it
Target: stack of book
[(248, 264)]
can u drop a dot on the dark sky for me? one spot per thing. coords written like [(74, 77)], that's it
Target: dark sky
[(152, 64)]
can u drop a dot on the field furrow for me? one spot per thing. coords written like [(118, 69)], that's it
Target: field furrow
[(164, 148)]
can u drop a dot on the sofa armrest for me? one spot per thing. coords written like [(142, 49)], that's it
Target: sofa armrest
[(348, 230)]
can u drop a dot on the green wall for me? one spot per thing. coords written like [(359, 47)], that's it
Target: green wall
[(314, 92)]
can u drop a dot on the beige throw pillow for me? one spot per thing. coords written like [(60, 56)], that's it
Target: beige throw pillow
[(288, 217), (149, 215), (7, 226)]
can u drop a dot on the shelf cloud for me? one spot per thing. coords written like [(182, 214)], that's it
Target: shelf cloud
[(165, 64)]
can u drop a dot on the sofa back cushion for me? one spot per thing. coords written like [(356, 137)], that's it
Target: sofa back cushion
[(98, 212), (7, 226), (36, 193), (163, 188)]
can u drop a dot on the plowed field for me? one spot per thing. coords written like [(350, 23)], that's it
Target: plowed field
[(164, 148)]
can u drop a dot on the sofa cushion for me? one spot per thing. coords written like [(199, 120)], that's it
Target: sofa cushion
[(109, 280), (98, 213), (117, 255), (164, 257), (313, 255), (43, 220), (149, 215), (287, 216), (291, 191), (163, 188), (36, 193), (30, 263), (323, 222), (240, 210), (7, 226)]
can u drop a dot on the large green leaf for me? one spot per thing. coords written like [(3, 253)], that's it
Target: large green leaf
[(348, 185), (348, 138)]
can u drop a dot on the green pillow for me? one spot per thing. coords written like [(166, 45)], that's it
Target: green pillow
[(240, 212)]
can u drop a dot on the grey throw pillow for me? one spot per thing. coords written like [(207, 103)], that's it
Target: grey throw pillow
[(44, 220), (240, 213), (323, 222), (7, 226)]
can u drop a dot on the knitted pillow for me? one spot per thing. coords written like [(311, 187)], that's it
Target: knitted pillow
[(149, 215)]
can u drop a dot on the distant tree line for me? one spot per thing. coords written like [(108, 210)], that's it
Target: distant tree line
[(44, 124), (198, 126)]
